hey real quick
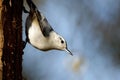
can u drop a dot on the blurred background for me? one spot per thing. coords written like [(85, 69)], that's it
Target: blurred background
[(92, 31)]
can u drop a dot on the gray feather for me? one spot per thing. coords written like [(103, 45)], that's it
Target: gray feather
[(44, 25)]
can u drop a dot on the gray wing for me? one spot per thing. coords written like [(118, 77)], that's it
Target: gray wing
[(44, 25)]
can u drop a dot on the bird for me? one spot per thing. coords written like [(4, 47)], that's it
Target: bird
[(39, 32)]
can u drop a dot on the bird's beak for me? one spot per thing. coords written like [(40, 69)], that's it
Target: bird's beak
[(68, 51)]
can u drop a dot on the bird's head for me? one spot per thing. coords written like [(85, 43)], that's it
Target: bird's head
[(60, 43)]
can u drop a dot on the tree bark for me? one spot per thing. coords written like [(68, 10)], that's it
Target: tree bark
[(12, 48), (1, 40)]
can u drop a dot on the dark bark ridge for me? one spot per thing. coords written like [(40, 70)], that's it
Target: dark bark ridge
[(12, 30)]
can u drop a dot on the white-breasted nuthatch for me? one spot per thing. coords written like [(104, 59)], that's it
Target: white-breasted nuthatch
[(40, 34)]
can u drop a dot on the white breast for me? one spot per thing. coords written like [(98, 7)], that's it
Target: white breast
[(35, 35)]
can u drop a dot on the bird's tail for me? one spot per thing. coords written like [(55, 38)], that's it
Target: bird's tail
[(31, 5)]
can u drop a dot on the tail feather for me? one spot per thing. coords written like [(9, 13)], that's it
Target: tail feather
[(31, 5)]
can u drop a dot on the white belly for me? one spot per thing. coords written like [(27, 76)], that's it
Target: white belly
[(36, 37)]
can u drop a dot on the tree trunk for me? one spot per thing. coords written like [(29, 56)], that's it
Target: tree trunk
[(1, 40), (12, 48)]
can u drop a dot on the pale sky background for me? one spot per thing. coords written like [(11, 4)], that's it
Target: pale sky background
[(91, 28)]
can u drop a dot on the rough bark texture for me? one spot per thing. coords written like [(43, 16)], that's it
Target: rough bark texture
[(1, 40), (12, 30)]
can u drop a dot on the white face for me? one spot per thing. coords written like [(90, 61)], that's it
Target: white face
[(62, 44), (58, 42)]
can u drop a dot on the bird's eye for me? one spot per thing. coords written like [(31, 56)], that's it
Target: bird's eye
[(62, 41)]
